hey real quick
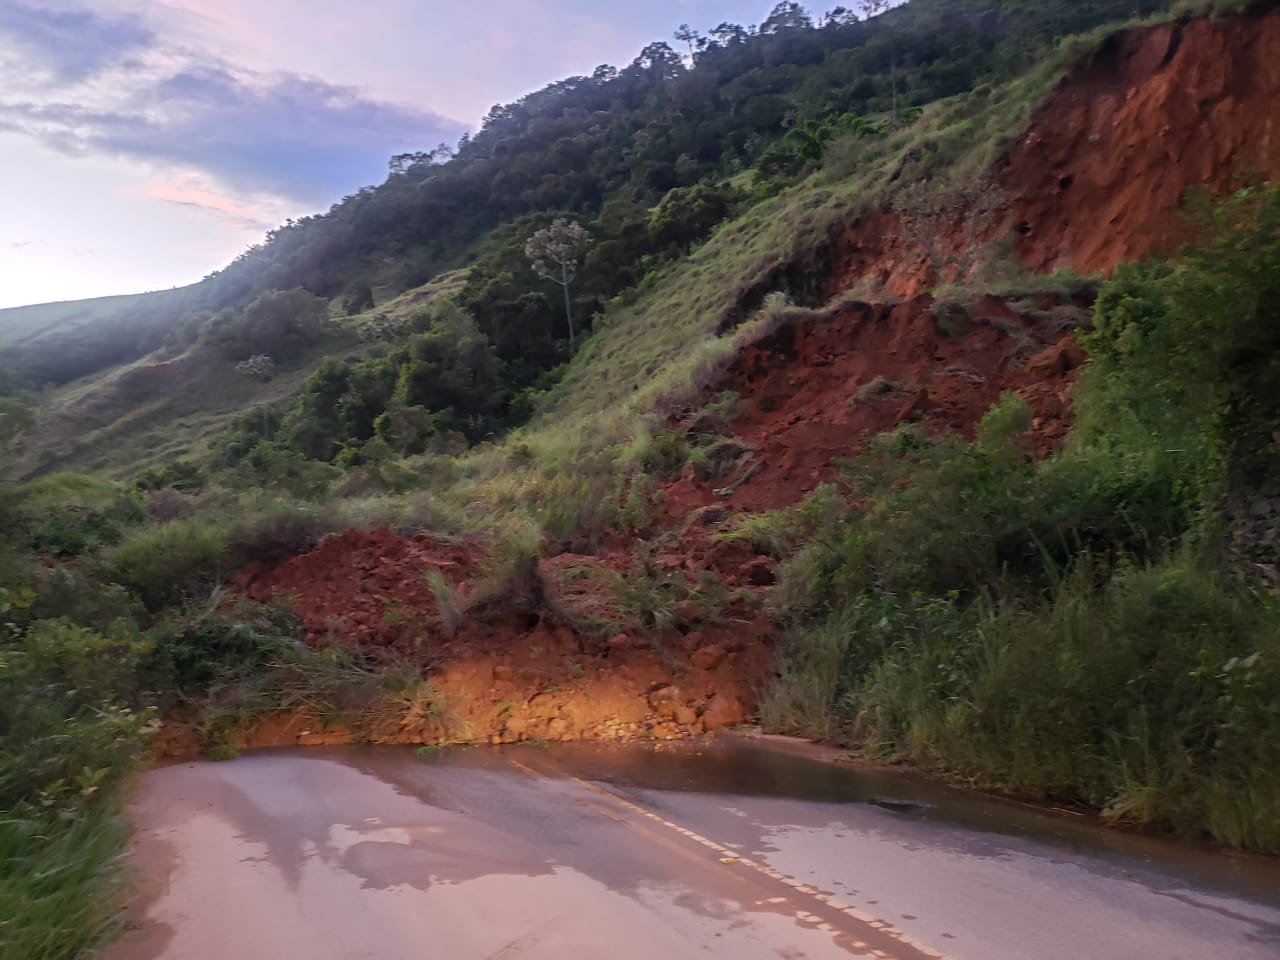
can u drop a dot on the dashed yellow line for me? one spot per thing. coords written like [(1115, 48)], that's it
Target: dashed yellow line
[(729, 856)]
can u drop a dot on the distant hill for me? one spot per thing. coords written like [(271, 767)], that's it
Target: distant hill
[(19, 325)]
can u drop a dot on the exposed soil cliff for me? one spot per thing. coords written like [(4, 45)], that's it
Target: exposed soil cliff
[(1097, 179)]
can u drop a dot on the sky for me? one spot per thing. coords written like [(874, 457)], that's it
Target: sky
[(146, 143)]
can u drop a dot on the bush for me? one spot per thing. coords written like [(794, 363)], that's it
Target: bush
[(67, 742), (1151, 697), (170, 562), (67, 514)]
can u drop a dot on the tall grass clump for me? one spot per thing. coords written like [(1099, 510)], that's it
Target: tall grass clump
[(71, 731)]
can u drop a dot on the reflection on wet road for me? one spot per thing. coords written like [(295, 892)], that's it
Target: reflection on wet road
[(730, 850)]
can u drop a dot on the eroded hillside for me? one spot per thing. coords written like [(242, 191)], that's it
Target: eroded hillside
[(658, 621)]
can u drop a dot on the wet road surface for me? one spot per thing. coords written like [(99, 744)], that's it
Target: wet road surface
[(629, 853)]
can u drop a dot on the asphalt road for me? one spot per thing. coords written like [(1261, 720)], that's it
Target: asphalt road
[(580, 853)]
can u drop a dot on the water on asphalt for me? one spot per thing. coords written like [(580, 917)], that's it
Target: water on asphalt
[(734, 849)]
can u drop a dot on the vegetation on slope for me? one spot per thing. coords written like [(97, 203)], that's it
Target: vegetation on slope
[(648, 158), (1081, 628), (1096, 627)]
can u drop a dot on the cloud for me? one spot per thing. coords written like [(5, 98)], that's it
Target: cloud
[(67, 45), (193, 190), (282, 134)]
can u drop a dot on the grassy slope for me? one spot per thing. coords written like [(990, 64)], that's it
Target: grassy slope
[(659, 344), (23, 324), (133, 416)]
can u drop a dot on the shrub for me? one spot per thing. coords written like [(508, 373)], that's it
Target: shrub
[(167, 563), (67, 514)]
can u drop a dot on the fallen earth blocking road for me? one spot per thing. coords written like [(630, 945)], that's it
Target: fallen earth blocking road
[(731, 850)]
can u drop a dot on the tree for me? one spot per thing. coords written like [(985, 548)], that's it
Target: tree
[(687, 214), (787, 16), (555, 251), (729, 34), (873, 8), (686, 34), (839, 17), (658, 59)]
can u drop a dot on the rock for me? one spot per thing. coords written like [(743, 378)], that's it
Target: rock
[(722, 711), (503, 673), (684, 715), (760, 572), (708, 658), (689, 612), (619, 643), (662, 695), (557, 729), (710, 516), (517, 726)]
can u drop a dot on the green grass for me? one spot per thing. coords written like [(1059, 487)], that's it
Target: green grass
[(60, 882), (152, 411)]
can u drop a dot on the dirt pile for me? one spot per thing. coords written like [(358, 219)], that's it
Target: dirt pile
[(366, 588), (509, 675), (1097, 179), (816, 390)]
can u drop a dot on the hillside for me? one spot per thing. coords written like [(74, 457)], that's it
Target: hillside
[(938, 423), (759, 109)]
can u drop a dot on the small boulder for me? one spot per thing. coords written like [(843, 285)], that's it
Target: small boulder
[(684, 715), (710, 516), (722, 711), (708, 658), (517, 726), (760, 572), (661, 695)]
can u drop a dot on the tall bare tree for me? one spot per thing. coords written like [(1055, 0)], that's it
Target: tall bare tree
[(554, 252), (686, 34)]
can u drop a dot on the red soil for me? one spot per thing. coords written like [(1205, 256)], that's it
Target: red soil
[(363, 589), (1097, 179), (814, 391), (516, 675)]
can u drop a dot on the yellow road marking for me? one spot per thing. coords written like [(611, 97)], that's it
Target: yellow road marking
[(729, 856)]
